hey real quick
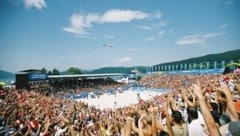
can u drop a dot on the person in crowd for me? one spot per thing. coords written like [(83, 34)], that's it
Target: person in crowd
[(196, 105), (209, 121)]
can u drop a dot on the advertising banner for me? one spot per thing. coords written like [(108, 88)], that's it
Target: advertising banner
[(37, 76)]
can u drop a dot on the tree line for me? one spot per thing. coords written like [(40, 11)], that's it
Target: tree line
[(55, 71), (229, 56)]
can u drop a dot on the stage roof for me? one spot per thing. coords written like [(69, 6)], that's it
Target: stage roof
[(84, 75), (28, 71)]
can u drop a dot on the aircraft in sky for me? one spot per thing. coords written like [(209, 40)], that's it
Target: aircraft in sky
[(108, 45)]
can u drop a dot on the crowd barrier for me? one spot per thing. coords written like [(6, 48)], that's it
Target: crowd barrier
[(200, 71)]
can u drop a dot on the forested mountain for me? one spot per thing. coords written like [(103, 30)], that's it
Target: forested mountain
[(6, 76), (141, 69), (226, 56)]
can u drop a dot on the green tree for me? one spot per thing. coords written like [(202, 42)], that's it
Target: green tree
[(44, 70), (49, 72), (74, 70), (55, 72)]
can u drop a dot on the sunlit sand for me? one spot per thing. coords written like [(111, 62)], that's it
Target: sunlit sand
[(126, 98)]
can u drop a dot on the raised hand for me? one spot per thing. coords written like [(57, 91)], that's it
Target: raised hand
[(197, 91), (224, 88)]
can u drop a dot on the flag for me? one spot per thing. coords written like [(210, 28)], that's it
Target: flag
[(223, 64), (232, 66), (215, 64), (177, 67), (33, 124), (189, 66), (185, 66), (194, 66), (207, 65), (160, 100)]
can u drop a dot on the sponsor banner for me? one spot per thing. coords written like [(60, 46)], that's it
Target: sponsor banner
[(203, 71), (37, 76)]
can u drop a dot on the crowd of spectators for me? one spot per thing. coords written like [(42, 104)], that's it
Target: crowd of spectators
[(197, 105), (85, 85)]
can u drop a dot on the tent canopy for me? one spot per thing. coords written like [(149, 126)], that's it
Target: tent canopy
[(2, 83), (228, 67), (234, 64)]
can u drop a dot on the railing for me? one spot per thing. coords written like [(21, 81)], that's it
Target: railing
[(202, 67)]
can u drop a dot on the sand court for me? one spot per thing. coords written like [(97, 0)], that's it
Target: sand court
[(126, 98)]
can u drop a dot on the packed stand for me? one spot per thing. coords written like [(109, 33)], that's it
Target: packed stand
[(197, 105)]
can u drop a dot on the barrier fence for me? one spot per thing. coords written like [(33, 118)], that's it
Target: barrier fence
[(193, 68)]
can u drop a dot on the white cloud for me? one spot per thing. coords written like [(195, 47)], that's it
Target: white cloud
[(197, 38), (79, 22), (107, 36), (149, 39), (161, 33), (190, 39), (162, 23), (133, 49), (223, 26), (212, 35), (39, 4), (157, 14), (125, 60), (144, 27), (118, 15)]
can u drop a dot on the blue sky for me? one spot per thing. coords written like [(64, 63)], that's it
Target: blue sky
[(65, 33)]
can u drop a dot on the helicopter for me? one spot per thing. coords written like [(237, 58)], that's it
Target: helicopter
[(107, 45)]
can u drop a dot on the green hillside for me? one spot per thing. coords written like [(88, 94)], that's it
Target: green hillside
[(6, 76), (227, 56), (141, 69)]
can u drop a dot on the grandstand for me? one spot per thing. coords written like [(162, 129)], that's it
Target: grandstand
[(213, 63), (33, 79)]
